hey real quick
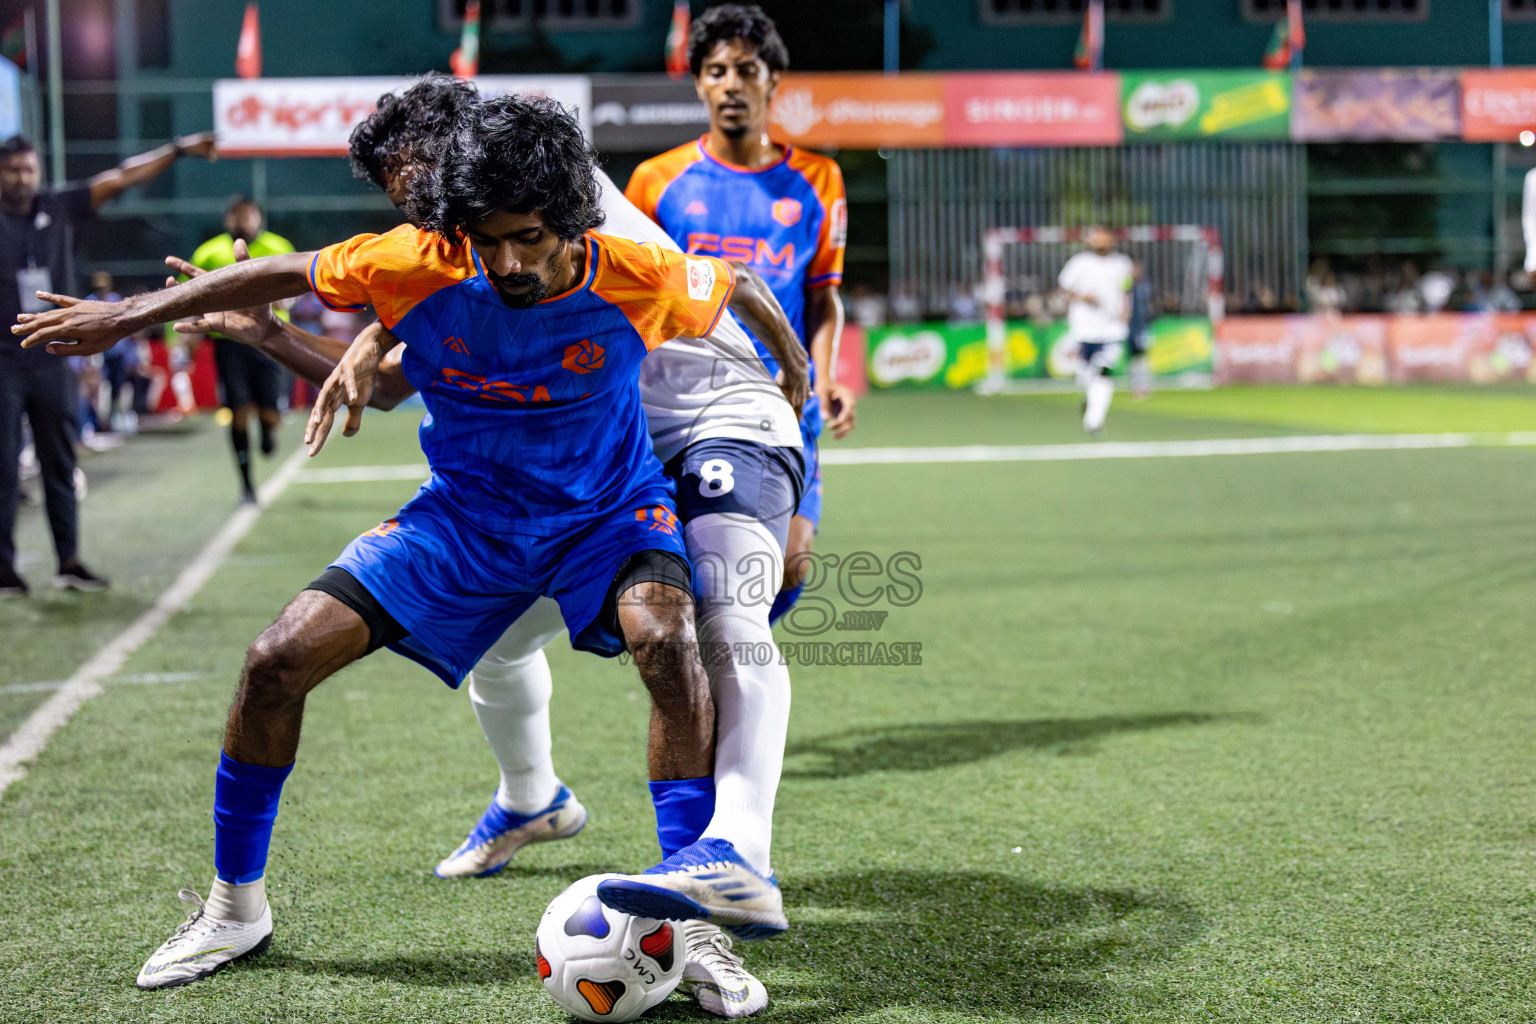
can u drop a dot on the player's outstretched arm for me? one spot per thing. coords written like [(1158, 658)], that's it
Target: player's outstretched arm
[(350, 384), (310, 356), (83, 328), (754, 302), (824, 328)]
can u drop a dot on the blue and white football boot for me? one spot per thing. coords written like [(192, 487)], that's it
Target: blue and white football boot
[(708, 881), (500, 833)]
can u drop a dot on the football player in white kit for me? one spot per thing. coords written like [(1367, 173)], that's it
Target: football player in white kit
[(1097, 282), (730, 438)]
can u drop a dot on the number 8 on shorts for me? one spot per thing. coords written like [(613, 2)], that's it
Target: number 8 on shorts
[(716, 477)]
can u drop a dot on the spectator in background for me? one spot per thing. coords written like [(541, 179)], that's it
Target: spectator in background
[(905, 306), (1435, 289), (1405, 296), (1139, 331), (1324, 294), (963, 305), (116, 364), (867, 306), (36, 243), (249, 379), (1489, 296)]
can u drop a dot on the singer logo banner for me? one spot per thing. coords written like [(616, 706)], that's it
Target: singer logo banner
[(315, 116)]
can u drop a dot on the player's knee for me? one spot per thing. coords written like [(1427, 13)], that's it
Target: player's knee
[(277, 668), (654, 615)]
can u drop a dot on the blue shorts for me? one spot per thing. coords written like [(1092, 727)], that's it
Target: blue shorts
[(810, 500), (725, 476), (456, 588)]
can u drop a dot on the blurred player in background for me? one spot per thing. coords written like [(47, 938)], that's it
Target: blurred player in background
[(737, 194), (249, 382), (36, 254), (1097, 283)]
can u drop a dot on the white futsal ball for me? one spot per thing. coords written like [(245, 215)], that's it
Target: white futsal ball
[(600, 964)]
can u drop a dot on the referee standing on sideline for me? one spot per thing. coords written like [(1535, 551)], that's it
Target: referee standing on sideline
[(37, 254), (249, 380)]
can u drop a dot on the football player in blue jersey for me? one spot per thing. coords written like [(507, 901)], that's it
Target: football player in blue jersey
[(525, 330), (782, 210)]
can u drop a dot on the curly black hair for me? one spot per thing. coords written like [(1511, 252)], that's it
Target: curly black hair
[(407, 125), (736, 21), (518, 153)]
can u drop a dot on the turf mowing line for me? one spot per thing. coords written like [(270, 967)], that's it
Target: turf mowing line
[(27, 742)]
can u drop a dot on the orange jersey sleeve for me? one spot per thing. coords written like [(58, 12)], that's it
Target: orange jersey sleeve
[(653, 176), (392, 272), (663, 293), (823, 174)]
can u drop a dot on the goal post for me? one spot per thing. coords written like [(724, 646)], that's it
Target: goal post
[(1183, 262)]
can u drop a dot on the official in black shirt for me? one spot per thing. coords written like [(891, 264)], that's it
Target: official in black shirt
[(37, 254)]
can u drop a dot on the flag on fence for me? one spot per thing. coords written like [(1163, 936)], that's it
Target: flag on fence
[(248, 52), (1288, 40), (1089, 55), (677, 40), (465, 61)]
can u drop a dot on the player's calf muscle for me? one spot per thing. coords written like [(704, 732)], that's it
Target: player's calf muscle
[(657, 623)]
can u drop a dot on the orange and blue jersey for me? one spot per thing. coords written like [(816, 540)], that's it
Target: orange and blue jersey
[(787, 221), (543, 480), (533, 415)]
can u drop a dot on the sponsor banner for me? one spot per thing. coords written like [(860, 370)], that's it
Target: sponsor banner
[(1497, 104), (645, 113), (1438, 347), (1256, 350), (315, 116), (1032, 109), (1177, 106), (955, 356), (1393, 104), (859, 111)]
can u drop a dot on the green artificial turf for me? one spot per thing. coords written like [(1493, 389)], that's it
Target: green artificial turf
[(1236, 739)]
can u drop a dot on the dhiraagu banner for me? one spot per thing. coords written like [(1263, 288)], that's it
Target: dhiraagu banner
[(1177, 106), (943, 355)]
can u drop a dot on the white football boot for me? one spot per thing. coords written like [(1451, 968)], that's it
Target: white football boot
[(203, 944), (500, 833), (714, 975)]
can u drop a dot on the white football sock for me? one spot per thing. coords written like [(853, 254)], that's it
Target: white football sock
[(750, 685), (510, 689), (1099, 392), (230, 902)]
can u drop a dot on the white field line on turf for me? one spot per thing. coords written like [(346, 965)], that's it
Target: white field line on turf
[(138, 677), (1169, 449), (1048, 452), (27, 742)]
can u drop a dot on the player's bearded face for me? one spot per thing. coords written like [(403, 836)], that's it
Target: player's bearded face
[(736, 85), (523, 259)]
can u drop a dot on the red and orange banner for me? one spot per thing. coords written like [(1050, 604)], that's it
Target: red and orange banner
[(1497, 104), (1477, 348), (917, 111)]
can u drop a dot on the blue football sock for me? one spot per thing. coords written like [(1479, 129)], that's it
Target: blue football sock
[(783, 602), (683, 810), (245, 800)]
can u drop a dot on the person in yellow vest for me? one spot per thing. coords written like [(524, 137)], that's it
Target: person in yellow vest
[(249, 381)]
